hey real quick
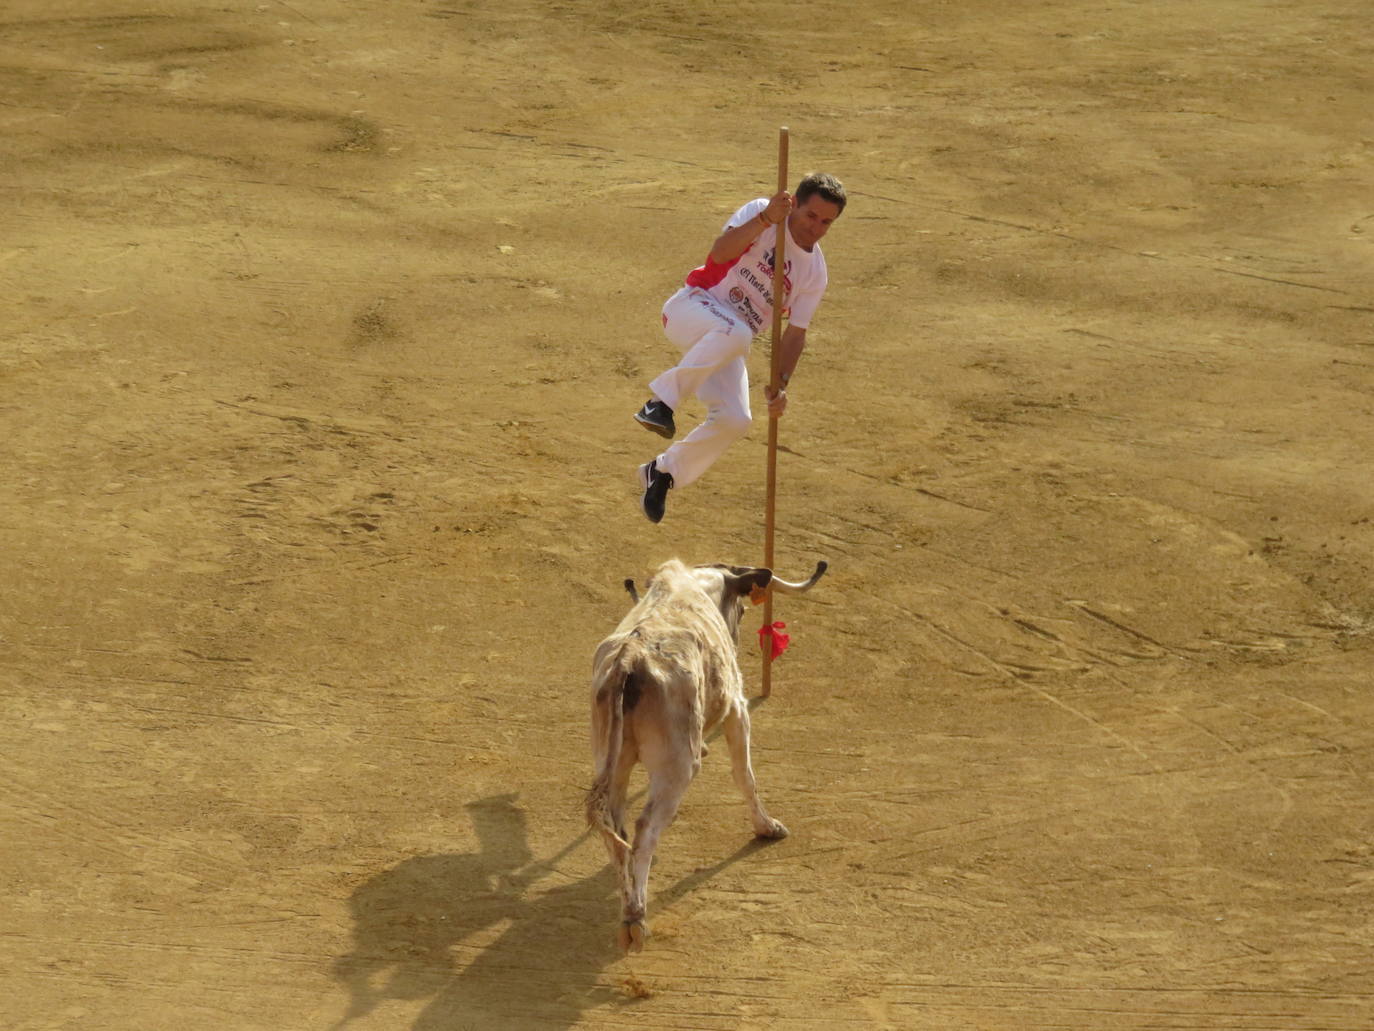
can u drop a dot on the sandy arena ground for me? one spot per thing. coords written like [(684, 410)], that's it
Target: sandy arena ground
[(324, 324)]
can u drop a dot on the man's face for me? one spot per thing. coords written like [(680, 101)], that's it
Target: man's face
[(812, 220)]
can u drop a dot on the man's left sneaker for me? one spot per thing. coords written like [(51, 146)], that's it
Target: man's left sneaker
[(656, 483), (658, 417)]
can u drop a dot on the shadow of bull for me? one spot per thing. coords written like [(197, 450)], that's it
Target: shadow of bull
[(412, 923)]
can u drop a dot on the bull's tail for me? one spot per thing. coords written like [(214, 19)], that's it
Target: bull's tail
[(615, 679)]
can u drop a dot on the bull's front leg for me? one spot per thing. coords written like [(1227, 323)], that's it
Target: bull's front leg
[(736, 727)]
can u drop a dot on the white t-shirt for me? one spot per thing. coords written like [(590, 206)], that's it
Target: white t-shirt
[(746, 284)]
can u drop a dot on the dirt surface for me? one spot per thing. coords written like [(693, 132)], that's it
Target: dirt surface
[(324, 325)]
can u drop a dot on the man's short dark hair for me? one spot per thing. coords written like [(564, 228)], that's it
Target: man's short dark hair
[(824, 185)]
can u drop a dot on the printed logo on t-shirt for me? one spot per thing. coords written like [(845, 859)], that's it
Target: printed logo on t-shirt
[(766, 267), (746, 283)]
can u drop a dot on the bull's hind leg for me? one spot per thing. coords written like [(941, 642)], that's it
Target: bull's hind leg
[(620, 783), (736, 727), (615, 807), (668, 782)]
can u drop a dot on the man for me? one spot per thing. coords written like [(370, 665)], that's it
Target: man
[(713, 320)]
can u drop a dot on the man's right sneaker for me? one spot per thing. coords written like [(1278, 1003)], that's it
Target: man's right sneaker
[(656, 483), (657, 416)]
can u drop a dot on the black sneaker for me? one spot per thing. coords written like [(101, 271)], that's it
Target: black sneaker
[(657, 416), (656, 483)]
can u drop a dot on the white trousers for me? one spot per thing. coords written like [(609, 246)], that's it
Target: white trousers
[(714, 342)]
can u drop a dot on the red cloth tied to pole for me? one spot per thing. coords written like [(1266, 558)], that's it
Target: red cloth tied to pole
[(779, 640)]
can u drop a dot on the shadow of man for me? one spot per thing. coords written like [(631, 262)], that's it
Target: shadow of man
[(544, 969)]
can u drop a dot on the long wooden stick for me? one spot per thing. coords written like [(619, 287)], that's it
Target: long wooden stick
[(775, 384)]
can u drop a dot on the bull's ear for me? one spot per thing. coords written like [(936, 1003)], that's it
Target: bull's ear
[(740, 580)]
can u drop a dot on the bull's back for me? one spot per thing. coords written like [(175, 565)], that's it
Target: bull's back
[(677, 640)]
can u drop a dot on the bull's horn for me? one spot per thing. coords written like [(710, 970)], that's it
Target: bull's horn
[(790, 588)]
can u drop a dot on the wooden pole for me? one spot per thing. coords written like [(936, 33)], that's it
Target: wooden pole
[(775, 384)]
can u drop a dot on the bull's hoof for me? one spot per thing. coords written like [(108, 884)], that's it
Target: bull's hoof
[(774, 832), (632, 935)]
